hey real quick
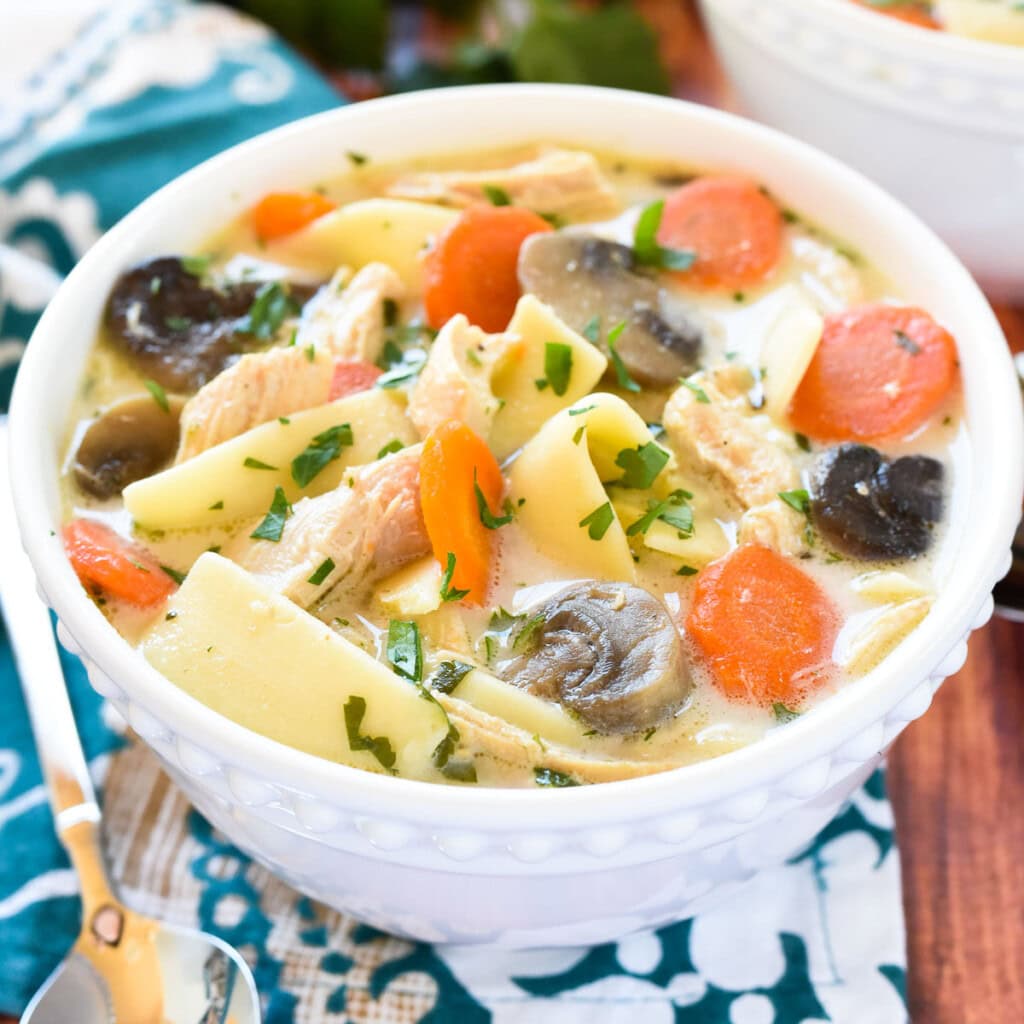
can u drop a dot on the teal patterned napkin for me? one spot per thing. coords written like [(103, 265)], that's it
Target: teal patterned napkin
[(116, 101)]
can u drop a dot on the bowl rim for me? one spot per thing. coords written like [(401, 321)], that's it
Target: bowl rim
[(937, 42), (819, 734)]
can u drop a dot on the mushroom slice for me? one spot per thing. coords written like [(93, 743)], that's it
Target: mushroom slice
[(584, 277), (131, 440), (873, 508), (178, 330), (608, 652)]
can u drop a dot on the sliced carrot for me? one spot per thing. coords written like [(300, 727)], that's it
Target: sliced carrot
[(281, 213), (764, 628), (352, 376), (472, 267), (454, 462), (878, 372), (912, 13), (104, 559), (732, 226)]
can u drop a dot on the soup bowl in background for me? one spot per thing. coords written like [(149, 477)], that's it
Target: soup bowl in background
[(529, 867), (936, 119)]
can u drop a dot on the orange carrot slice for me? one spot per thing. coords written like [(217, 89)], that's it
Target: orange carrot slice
[(352, 376), (104, 559), (455, 462), (878, 372), (472, 267), (732, 226), (281, 213), (764, 628)]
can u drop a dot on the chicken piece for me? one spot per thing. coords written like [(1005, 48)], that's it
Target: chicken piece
[(456, 381), (484, 735), (258, 388), (565, 182), (776, 525), (826, 273), (720, 439), (368, 527), (346, 317)]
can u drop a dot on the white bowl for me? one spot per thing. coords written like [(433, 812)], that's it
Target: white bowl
[(935, 118), (511, 866)]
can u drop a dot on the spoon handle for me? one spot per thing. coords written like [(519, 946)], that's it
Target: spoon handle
[(35, 653)]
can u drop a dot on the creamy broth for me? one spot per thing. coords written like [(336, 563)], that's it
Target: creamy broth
[(813, 272)]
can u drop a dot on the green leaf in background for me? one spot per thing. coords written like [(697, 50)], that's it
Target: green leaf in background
[(610, 46)]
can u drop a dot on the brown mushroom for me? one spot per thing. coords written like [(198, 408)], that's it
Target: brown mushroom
[(583, 277), (132, 439), (608, 652), (181, 331)]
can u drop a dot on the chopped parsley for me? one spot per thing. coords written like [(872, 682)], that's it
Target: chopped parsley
[(497, 195), (324, 570), (357, 159), (271, 307), (322, 450), (406, 367), (598, 521), (459, 771), (527, 633), (487, 517), (641, 465), (673, 510), (284, 421), (646, 248), (216, 506), (907, 343), (701, 394), (621, 373), (582, 410), (195, 265), (686, 570), (448, 592), (578, 435), (389, 311), (178, 577), (557, 367), (273, 522), (251, 463), (392, 446), (405, 650), (448, 675), (379, 746), (803, 442), (784, 714), (553, 777), (158, 393), (311, 353), (798, 500), (592, 329), (178, 323)]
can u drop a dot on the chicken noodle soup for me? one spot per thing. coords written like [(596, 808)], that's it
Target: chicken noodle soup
[(533, 468), (996, 21)]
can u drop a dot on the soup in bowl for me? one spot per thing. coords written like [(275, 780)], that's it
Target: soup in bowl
[(409, 480)]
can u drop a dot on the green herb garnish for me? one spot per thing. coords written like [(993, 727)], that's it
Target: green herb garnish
[(645, 242), (217, 506), (907, 343), (406, 368), (487, 517), (178, 577), (598, 521), (641, 465), (557, 366), (271, 307), (803, 442), (358, 159), (552, 777), (592, 330), (178, 323), (449, 593), (448, 675), (196, 265), (324, 570), (497, 195), (273, 522), (379, 746), (686, 570), (404, 649), (158, 393), (581, 411), (392, 446), (798, 500), (322, 450), (699, 392), (621, 373), (251, 463), (673, 510), (784, 714)]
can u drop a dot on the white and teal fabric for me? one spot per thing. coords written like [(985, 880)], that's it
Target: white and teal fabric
[(102, 104)]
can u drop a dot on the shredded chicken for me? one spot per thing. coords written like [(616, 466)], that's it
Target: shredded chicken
[(559, 181), (456, 381), (717, 436), (346, 317), (258, 388), (775, 525), (368, 526)]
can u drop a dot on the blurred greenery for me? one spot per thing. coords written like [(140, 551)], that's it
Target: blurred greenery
[(548, 41)]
